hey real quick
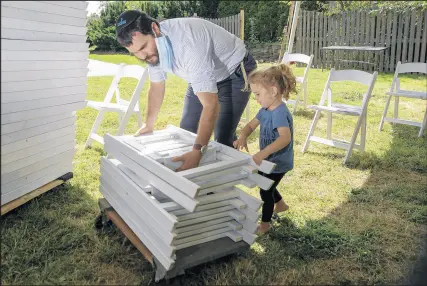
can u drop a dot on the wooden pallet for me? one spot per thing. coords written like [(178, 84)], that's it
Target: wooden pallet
[(185, 258), (37, 192)]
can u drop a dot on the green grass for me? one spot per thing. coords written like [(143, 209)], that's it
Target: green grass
[(363, 223)]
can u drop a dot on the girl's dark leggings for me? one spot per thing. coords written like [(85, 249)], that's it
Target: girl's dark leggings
[(271, 196)]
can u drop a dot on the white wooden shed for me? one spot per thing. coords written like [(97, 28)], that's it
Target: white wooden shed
[(44, 60)]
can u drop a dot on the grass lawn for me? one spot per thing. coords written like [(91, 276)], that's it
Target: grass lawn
[(363, 223)]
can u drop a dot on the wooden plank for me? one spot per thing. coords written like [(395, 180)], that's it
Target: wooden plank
[(195, 215), (56, 158), (24, 14), (41, 112), (399, 50), (383, 26), (19, 45), (7, 207), (316, 39), (411, 37), (22, 163), (79, 5), (34, 185), (8, 66), (304, 31), (203, 235), (34, 140), (21, 182), (41, 75), (299, 33), (252, 202), (22, 154), (251, 215), (46, 8), (22, 125), (388, 40), (313, 21), (26, 134), (19, 34), (11, 23), (407, 22), (349, 35), (249, 238), (394, 36), (207, 224), (42, 94), (43, 56), (214, 205), (424, 40), (417, 42), (377, 40), (353, 35), (42, 84)]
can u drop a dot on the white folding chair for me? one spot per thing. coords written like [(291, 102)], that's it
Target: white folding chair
[(124, 108), (397, 92), (299, 58), (331, 107)]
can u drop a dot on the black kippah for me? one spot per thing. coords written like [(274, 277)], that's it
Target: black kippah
[(127, 18)]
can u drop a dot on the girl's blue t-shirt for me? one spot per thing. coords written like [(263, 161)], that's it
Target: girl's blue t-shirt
[(269, 122)]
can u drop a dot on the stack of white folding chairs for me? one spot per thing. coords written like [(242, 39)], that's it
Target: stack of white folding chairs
[(44, 58), (171, 210)]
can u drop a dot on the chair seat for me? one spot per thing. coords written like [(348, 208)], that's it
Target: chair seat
[(299, 79), (339, 108), (107, 106), (409, 94)]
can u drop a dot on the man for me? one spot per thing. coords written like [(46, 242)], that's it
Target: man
[(213, 61)]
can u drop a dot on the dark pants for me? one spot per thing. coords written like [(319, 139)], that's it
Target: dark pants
[(271, 196), (232, 101)]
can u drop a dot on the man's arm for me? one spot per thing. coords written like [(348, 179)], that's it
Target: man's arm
[(208, 117), (156, 93)]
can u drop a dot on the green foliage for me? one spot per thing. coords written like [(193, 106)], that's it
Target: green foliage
[(269, 17)]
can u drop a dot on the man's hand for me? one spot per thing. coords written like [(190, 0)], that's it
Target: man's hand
[(189, 160), (144, 129), (241, 143)]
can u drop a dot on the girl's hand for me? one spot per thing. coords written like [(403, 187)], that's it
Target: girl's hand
[(241, 143), (258, 157)]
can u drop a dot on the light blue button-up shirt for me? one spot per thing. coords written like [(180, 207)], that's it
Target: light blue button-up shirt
[(204, 53)]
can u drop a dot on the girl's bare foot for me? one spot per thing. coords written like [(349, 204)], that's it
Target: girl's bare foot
[(281, 206), (263, 227)]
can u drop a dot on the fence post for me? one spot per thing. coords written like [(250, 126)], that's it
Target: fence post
[(242, 24)]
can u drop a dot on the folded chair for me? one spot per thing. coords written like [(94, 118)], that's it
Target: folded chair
[(397, 92), (360, 111), (124, 108), (299, 58)]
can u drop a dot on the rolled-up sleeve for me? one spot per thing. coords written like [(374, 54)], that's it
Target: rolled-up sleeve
[(200, 66), (156, 74)]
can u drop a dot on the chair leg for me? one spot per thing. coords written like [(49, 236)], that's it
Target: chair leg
[(353, 138), (423, 125), (139, 116), (385, 112), (310, 133), (329, 126), (363, 134), (123, 123), (396, 108), (95, 127)]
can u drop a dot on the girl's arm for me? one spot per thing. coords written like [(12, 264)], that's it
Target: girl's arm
[(278, 144), (249, 128)]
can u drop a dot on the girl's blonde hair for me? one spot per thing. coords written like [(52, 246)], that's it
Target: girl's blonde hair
[(279, 76)]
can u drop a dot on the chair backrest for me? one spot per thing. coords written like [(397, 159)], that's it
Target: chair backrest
[(125, 71), (406, 68), (299, 58), (359, 76)]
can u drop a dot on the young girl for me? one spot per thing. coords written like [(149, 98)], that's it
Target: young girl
[(270, 85)]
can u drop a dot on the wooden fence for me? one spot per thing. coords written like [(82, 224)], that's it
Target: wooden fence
[(405, 35), (234, 24)]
